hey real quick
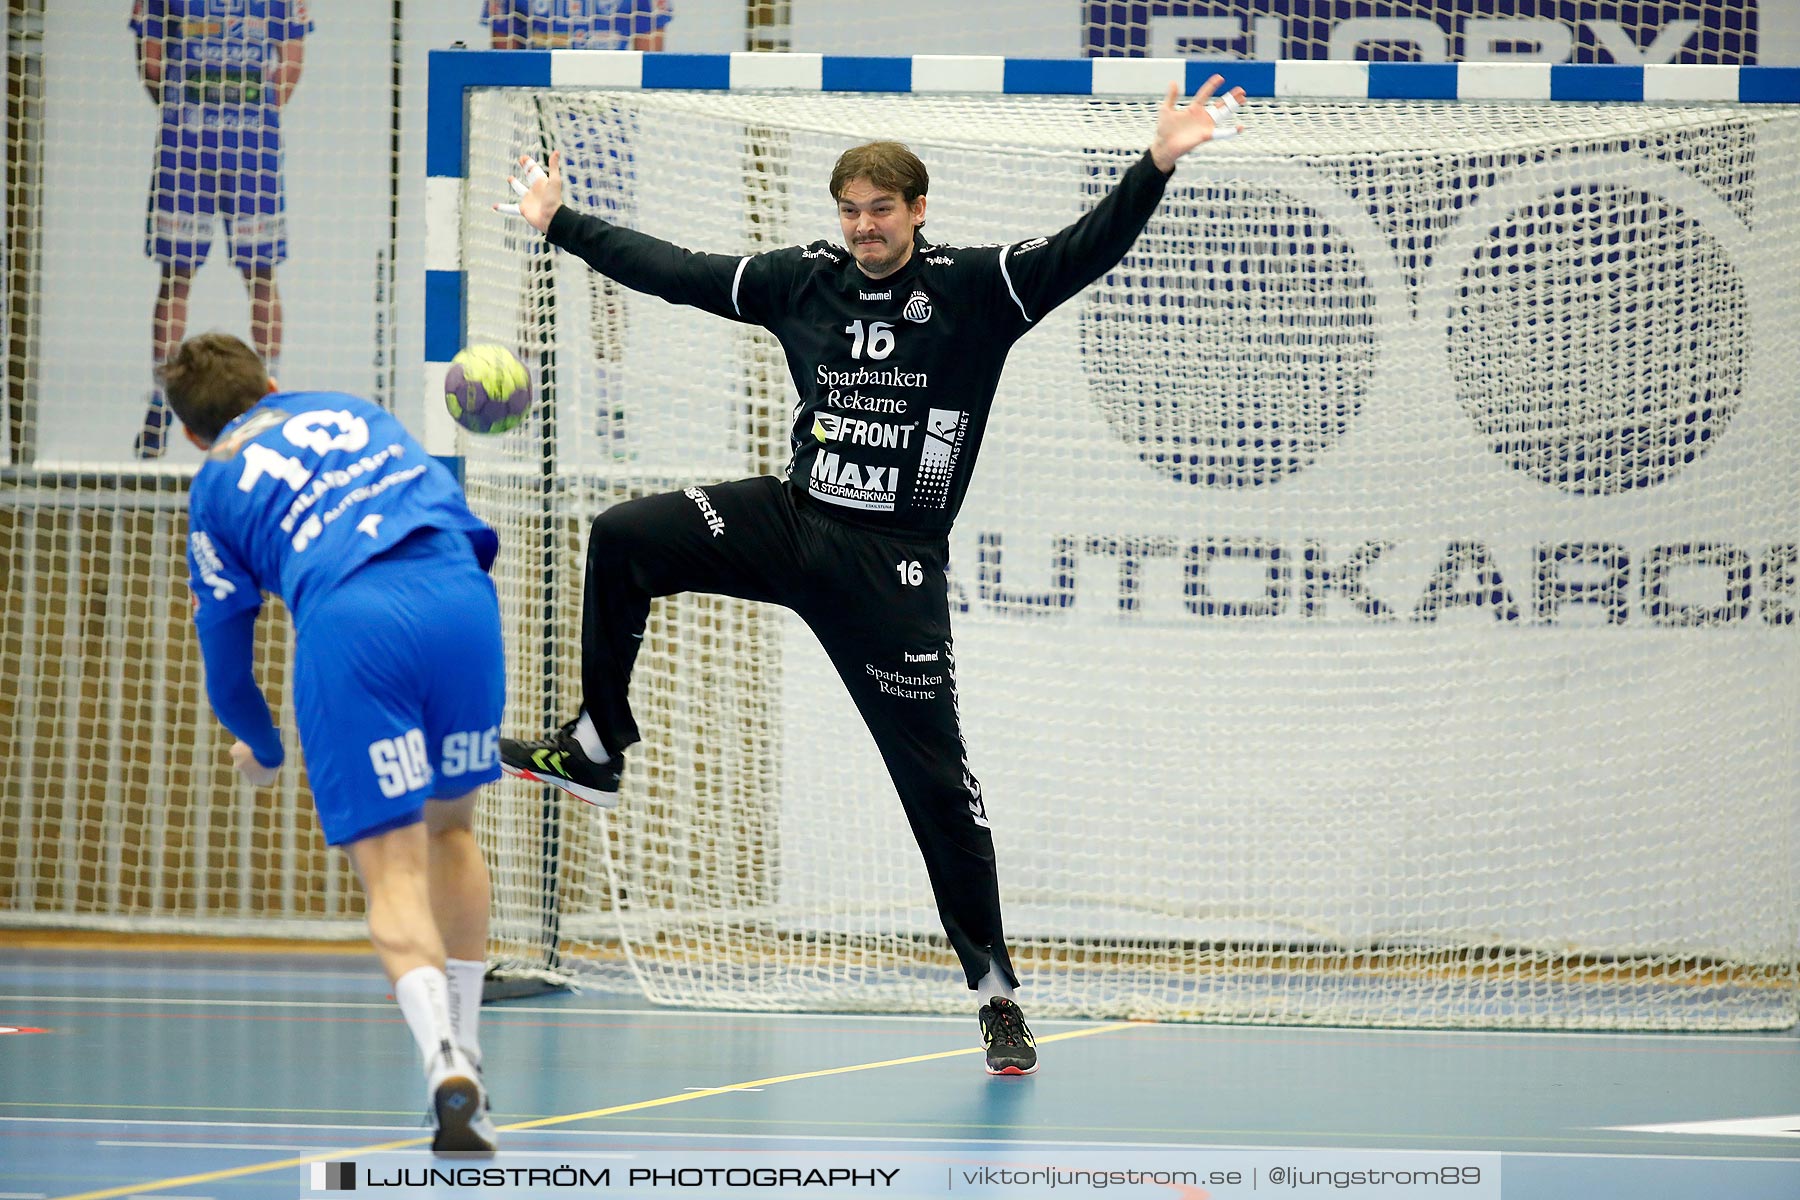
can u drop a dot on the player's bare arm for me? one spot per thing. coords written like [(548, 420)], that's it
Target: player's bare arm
[(539, 191), (1182, 127), (150, 66), (290, 57)]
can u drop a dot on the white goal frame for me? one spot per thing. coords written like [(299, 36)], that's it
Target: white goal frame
[(456, 72)]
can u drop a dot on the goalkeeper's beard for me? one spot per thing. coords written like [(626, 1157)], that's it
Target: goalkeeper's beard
[(879, 259)]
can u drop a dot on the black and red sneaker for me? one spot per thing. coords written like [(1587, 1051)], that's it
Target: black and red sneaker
[(1011, 1050), (560, 762)]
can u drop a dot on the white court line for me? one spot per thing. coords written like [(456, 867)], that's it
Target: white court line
[(510, 1153), (374, 971), (218, 1146), (503, 1008), (720, 1014), (209, 1124), (122, 1000), (1770, 1127), (940, 1141)]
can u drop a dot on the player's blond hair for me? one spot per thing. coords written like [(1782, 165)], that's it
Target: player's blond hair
[(888, 166), (211, 379)]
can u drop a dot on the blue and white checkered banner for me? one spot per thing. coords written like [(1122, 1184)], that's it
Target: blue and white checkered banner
[(452, 71)]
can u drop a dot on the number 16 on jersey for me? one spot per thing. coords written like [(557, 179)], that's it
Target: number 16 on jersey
[(879, 340)]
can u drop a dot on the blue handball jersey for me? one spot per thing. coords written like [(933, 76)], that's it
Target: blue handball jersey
[(217, 56), (303, 489), (575, 24)]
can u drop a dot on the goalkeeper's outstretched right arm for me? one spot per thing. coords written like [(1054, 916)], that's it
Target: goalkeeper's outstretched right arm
[(637, 260)]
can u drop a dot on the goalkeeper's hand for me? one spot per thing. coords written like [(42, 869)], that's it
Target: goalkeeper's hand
[(539, 192), (1179, 128), (244, 759)]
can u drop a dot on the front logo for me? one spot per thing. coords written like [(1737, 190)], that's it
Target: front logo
[(834, 427), (887, 295), (918, 308)]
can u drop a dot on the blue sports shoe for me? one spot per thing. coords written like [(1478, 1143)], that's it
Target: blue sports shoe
[(158, 427)]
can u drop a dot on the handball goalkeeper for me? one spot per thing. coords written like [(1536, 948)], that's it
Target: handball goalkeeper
[(896, 346)]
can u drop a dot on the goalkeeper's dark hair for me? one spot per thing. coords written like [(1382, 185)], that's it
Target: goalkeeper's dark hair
[(888, 166), (210, 380)]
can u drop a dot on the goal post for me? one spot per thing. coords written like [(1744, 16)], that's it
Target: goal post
[(1375, 605)]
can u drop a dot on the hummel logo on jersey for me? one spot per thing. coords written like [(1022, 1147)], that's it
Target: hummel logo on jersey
[(977, 810), (918, 308), (887, 295), (227, 447)]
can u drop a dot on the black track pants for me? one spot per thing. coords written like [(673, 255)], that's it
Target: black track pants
[(880, 607)]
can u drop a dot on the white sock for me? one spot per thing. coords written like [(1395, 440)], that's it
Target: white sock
[(589, 737), (994, 984), (465, 1003), (424, 997)]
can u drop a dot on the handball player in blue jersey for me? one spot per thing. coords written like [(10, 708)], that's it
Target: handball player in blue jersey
[(577, 24), (221, 71), (325, 501)]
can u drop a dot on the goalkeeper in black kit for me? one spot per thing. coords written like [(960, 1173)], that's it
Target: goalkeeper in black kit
[(895, 345)]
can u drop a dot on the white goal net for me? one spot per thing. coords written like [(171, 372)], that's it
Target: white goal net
[(1376, 602)]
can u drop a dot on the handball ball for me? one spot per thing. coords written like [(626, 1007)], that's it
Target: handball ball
[(487, 389)]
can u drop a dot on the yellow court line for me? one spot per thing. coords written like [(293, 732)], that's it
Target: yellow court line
[(544, 1122)]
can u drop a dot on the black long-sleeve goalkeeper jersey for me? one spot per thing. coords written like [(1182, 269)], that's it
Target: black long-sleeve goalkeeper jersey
[(896, 376)]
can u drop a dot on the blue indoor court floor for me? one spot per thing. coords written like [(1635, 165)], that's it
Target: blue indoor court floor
[(190, 1073)]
